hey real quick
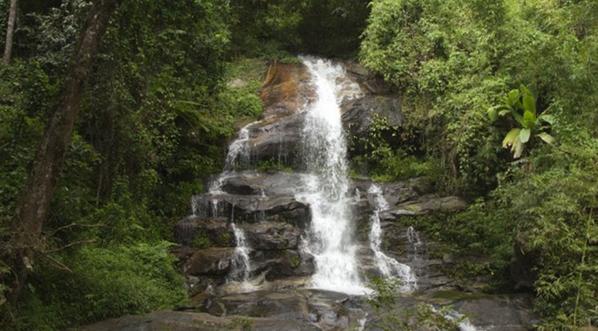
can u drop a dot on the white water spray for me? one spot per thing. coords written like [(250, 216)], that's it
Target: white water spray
[(238, 155), (326, 188), (239, 150), (241, 265), (388, 266)]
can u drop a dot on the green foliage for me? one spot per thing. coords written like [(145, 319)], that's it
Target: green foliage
[(521, 105), (384, 154), (104, 283), (272, 166), (156, 114), (399, 165), (556, 225), (201, 240), (271, 29), (453, 60)]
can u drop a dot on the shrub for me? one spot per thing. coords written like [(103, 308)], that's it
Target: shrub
[(105, 282)]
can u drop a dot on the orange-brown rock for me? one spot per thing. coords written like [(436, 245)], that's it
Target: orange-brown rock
[(286, 90)]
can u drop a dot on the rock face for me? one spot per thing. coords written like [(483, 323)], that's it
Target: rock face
[(427, 204), (359, 114), (285, 93), (210, 261)]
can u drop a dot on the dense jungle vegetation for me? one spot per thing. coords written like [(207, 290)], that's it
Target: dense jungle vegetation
[(500, 100)]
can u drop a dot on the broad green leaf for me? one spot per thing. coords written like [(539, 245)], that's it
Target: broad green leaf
[(510, 138), (524, 135), (529, 101), (546, 118), (546, 137), (529, 120), (517, 149), (492, 114), (503, 112), (518, 118), (513, 98)]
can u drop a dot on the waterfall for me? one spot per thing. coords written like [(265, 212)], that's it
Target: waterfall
[(238, 155), (330, 237), (241, 265), (388, 266), (239, 151), (415, 245)]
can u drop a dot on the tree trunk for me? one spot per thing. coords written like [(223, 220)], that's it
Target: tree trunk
[(33, 206), (10, 31)]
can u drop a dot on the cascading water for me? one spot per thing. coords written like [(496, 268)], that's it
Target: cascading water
[(241, 265), (326, 185), (415, 245), (238, 155), (388, 266), (239, 151)]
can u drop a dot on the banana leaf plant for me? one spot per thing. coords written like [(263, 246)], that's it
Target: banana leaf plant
[(520, 104)]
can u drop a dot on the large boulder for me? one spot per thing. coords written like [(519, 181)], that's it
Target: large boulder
[(285, 93), (193, 321), (395, 192), (286, 89), (198, 231), (499, 313), (277, 140), (369, 82), (256, 183), (253, 208), (427, 204), (214, 261), (358, 115), (271, 235), (279, 264)]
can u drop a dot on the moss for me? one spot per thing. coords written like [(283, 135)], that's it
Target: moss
[(272, 166), (201, 240), (294, 260), (224, 238)]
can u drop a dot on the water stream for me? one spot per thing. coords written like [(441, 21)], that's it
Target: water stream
[(330, 236), (238, 155), (388, 266)]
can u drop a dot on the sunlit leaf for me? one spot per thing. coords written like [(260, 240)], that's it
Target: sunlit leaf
[(524, 135), (529, 101), (510, 138), (546, 137)]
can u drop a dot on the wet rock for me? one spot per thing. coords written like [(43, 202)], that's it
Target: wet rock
[(277, 142), (498, 313), (286, 89), (194, 230), (256, 183), (253, 208), (430, 204), (209, 261), (194, 321), (282, 305), (285, 93), (368, 81), (395, 192), (359, 114), (282, 264), (271, 235)]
